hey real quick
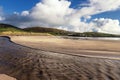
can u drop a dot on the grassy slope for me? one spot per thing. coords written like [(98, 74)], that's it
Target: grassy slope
[(52, 31), (67, 33), (6, 29)]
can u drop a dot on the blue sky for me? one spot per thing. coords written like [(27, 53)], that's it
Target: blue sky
[(79, 16), (110, 14), (10, 6)]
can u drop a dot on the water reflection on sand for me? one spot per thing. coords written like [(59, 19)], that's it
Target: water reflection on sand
[(92, 38)]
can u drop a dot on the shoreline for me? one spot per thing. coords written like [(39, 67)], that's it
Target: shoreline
[(61, 45), (104, 54)]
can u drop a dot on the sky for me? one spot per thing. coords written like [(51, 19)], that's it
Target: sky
[(72, 15)]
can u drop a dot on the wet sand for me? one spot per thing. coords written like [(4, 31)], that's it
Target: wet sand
[(24, 63)]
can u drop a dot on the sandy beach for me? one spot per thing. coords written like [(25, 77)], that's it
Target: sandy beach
[(69, 46), (55, 58)]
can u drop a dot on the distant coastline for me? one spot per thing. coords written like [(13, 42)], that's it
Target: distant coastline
[(6, 29), (92, 38)]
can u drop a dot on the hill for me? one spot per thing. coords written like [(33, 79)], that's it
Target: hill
[(7, 27), (68, 33), (52, 31)]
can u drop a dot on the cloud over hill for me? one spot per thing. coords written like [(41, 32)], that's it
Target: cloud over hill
[(59, 14)]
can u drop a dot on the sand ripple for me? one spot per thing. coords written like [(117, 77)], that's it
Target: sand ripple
[(29, 64)]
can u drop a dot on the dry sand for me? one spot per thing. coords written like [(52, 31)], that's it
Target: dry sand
[(69, 46), (5, 77), (59, 59)]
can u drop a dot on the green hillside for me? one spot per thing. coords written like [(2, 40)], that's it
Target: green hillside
[(10, 28), (67, 33), (6, 29), (52, 31)]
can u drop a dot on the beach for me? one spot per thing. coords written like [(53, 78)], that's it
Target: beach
[(56, 58), (70, 46)]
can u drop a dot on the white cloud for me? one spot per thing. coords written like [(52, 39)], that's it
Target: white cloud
[(53, 12), (15, 13), (25, 13), (92, 8), (98, 6), (103, 5), (106, 25), (1, 14), (58, 14), (1, 18)]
